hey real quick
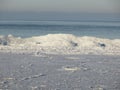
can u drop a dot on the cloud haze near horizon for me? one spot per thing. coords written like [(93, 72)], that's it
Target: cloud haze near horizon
[(85, 6)]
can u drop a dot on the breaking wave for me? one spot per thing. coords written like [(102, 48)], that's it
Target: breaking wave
[(60, 44)]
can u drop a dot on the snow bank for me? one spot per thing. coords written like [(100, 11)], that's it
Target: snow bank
[(60, 44)]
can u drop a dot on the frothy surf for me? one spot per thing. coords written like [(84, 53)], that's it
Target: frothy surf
[(60, 44)]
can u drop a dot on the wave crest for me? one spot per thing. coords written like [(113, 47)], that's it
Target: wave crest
[(60, 44)]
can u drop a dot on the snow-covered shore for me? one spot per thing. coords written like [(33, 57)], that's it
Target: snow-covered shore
[(60, 44), (59, 72)]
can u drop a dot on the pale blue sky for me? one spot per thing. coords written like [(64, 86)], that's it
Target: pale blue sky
[(92, 6)]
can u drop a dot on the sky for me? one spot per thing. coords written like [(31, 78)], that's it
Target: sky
[(81, 6)]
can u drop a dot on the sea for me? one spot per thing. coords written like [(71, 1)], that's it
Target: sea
[(27, 28), (82, 36)]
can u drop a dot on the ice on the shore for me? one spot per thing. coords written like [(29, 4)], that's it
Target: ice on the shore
[(68, 68), (60, 44)]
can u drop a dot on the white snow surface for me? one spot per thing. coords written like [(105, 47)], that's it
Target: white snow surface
[(60, 44)]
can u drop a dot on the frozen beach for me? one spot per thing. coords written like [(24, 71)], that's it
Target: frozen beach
[(59, 62), (60, 44), (59, 72)]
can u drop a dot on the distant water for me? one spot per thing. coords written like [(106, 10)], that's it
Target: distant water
[(102, 29)]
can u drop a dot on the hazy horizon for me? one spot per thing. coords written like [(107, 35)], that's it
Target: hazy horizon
[(58, 10), (57, 16), (89, 6)]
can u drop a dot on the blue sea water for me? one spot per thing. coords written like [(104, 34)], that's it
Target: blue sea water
[(97, 28)]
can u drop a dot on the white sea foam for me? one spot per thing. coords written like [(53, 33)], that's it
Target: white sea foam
[(60, 44)]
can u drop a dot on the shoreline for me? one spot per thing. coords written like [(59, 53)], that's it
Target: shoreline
[(60, 44)]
